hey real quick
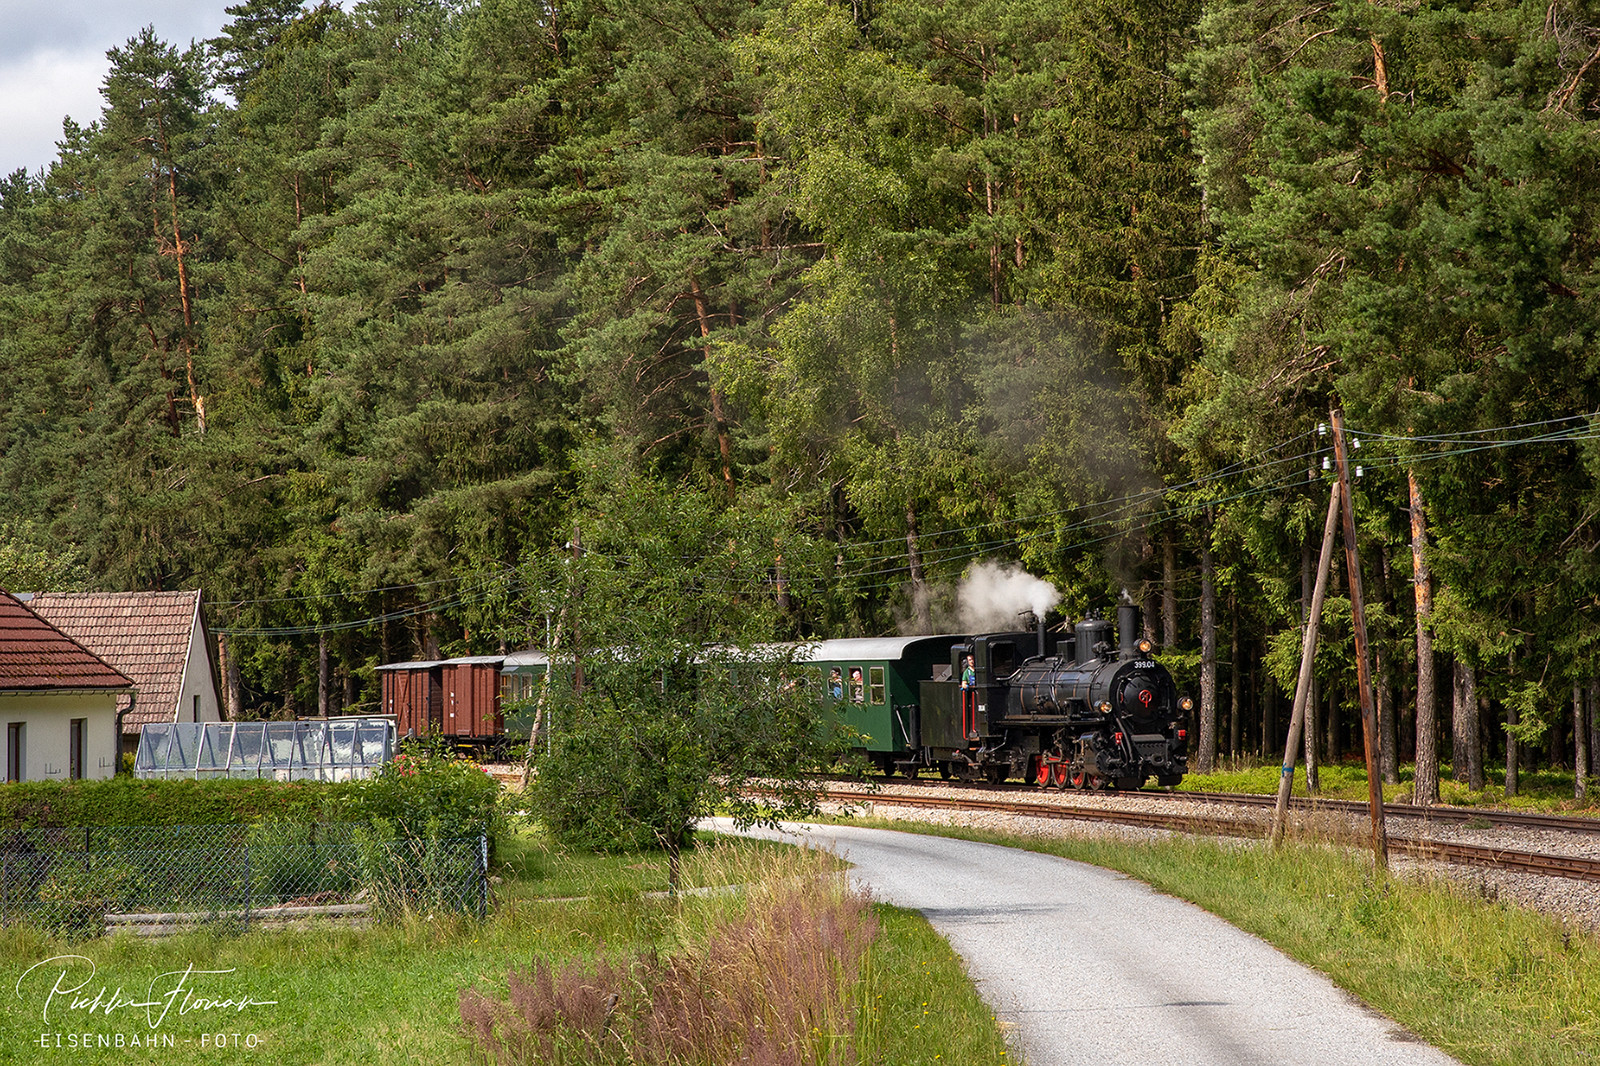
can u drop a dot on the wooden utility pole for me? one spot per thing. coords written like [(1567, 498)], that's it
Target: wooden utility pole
[(1308, 652), (1358, 614), (577, 595)]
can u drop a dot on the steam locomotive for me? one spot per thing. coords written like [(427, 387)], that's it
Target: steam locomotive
[(1096, 710)]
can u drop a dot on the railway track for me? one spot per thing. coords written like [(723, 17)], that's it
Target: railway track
[(1431, 850), (1478, 817)]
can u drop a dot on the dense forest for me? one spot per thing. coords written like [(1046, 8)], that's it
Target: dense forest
[(373, 322)]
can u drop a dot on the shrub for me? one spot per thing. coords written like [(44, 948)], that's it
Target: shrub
[(428, 796)]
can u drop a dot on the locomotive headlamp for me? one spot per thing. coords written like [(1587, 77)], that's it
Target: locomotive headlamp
[(1105, 707), (1186, 703), (1145, 646)]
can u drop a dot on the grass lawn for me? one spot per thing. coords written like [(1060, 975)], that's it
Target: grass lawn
[(389, 994)]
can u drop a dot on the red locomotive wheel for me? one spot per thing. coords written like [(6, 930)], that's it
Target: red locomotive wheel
[(1080, 779), (1097, 782), (1041, 770), (1060, 776)]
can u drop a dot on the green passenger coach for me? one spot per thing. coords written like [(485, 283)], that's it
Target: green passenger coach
[(873, 682)]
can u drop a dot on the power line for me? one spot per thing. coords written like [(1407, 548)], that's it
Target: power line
[(1098, 515)]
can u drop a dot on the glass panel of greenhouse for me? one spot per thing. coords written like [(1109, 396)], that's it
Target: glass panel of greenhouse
[(342, 749)]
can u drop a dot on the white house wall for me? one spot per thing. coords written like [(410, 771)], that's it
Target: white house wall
[(47, 731), (198, 681)]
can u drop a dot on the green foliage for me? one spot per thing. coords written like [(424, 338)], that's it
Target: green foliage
[(288, 863), (1534, 711), (27, 566), (421, 796)]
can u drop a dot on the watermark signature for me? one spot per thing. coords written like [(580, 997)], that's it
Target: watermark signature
[(64, 986)]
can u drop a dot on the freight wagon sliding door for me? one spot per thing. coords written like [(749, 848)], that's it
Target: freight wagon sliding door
[(405, 695), (472, 699), (437, 722)]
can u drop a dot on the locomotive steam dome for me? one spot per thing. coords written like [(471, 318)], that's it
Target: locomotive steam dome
[(1094, 638)]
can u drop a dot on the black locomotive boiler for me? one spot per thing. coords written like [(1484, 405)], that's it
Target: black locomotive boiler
[(1094, 710)]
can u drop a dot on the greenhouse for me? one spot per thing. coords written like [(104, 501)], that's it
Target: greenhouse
[(335, 749)]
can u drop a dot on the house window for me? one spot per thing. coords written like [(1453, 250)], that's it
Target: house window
[(76, 750), (14, 759), (875, 674)]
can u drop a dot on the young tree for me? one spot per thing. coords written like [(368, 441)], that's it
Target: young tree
[(682, 707)]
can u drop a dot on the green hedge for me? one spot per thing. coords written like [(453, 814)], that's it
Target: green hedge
[(127, 801), (413, 796)]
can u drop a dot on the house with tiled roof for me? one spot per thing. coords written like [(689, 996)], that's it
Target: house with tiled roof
[(58, 701), (158, 639)]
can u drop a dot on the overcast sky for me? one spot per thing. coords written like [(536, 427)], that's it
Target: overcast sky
[(53, 60)]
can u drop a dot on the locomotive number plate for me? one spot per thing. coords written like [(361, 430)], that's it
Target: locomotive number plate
[(1145, 664)]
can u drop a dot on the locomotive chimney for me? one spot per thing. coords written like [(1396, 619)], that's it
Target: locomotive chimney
[(1039, 622), (1127, 631)]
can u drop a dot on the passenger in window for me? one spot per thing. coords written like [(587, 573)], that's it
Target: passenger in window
[(858, 690), (836, 684)]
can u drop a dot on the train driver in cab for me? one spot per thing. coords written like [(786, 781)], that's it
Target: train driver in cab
[(969, 699)]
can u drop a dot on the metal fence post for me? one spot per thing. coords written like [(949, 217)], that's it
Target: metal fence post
[(483, 875)]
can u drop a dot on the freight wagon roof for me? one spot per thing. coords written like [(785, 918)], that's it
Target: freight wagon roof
[(465, 660), (873, 648)]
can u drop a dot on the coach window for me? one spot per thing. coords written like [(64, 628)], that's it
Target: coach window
[(875, 675), (858, 692)]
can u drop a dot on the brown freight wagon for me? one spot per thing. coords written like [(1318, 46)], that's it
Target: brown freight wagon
[(455, 698)]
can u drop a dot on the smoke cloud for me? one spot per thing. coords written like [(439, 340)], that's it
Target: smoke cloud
[(992, 595)]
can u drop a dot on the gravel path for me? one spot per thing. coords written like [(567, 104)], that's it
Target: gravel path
[(1090, 966)]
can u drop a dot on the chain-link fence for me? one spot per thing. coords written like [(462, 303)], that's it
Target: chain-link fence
[(152, 879)]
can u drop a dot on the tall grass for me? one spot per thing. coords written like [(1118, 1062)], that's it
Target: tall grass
[(771, 984)]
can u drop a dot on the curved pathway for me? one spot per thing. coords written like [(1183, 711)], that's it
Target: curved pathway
[(1091, 966)]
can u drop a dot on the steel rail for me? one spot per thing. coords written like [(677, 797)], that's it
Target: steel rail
[(1432, 850), (1567, 823)]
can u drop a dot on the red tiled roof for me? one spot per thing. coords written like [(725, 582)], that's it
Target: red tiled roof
[(36, 655), (145, 635)]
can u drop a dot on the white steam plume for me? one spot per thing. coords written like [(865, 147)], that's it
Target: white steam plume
[(992, 595)]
